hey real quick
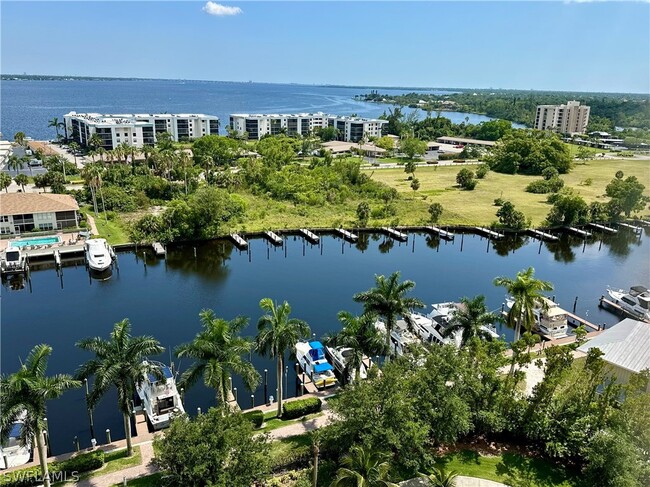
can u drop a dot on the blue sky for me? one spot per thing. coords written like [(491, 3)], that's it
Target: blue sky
[(581, 46)]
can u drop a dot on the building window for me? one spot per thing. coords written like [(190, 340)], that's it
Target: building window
[(4, 218), (45, 226)]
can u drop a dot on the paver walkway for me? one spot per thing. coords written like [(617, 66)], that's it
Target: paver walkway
[(108, 480), (91, 222)]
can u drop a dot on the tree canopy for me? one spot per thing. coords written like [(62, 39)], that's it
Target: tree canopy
[(529, 152)]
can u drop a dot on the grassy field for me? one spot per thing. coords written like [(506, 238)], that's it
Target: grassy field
[(437, 184), (153, 480), (113, 230), (509, 468)]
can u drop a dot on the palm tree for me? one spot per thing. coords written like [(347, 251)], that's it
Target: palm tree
[(278, 333), (56, 124), (360, 334), (388, 301), (362, 467), (526, 292), (19, 138), (439, 477), (5, 181), (15, 163), (95, 141), (22, 180), (218, 351), (74, 147), (26, 392), (470, 318), (119, 361)]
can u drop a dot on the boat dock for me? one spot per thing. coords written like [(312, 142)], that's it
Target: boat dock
[(605, 303), (489, 233), (239, 241), (397, 235), (305, 383), (159, 249), (575, 320), (312, 237), (347, 235), (635, 229), (439, 231), (603, 228), (49, 253), (582, 233), (543, 235), (273, 238), (643, 223)]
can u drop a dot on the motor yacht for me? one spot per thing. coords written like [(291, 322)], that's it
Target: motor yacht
[(99, 255), (550, 319), (635, 302), (160, 398), (12, 452), (311, 357), (13, 261), (339, 357)]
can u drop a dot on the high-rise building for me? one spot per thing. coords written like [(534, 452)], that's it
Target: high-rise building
[(571, 118), (137, 130), (350, 129)]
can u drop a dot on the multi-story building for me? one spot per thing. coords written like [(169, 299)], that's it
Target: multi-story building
[(350, 129), (137, 130), (24, 212), (571, 118)]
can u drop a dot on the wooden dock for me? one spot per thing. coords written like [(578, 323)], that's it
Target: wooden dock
[(48, 253), (273, 238), (439, 231), (312, 237), (643, 223), (159, 249), (347, 235), (627, 226), (603, 228), (397, 235), (575, 320), (239, 241), (543, 236), (605, 303), (582, 233), (489, 233), (307, 386)]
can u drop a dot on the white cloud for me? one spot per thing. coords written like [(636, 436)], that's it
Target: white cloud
[(213, 8)]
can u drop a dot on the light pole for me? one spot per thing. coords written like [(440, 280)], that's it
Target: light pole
[(90, 413), (266, 376)]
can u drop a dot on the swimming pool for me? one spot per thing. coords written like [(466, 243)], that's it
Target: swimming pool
[(36, 241)]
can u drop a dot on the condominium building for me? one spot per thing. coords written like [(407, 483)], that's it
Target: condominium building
[(137, 130), (25, 212), (350, 129), (571, 118)]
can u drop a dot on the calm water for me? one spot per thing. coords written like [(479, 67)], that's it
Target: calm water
[(164, 298), (28, 105)]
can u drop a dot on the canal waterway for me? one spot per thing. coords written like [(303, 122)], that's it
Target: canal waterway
[(164, 297)]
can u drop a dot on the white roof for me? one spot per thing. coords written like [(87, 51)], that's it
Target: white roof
[(625, 345)]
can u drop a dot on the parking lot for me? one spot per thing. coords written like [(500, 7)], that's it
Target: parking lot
[(32, 170)]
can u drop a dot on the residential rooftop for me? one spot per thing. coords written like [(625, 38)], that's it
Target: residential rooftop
[(25, 203)]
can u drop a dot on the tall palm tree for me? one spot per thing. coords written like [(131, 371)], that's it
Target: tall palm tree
[(95, 141), (526, 292), (15, 163), (388, 300), (56, 124), (22, 180), (19, 138), (26, 392), (439, 477), (360, 334), (362, 467), (218, 351), (5, 181), (278, 333), (469, 318), (119, 362), (74, 147)]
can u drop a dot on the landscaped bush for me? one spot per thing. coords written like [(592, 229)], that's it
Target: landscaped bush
[(301, 407), (66, 469), (447, 157), (482, 171), (83, 463), (543, 186), (256, 417)]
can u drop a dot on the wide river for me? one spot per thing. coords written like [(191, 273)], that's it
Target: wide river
[(164, 298), (28, 106)]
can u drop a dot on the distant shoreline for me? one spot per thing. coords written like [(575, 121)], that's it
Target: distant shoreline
[(46, 77)]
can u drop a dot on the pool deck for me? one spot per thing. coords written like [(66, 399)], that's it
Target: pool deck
[(66, 239)]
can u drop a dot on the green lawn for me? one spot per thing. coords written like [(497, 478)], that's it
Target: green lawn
[(510, 468), (153, 480), (272, 422), (113, 230)]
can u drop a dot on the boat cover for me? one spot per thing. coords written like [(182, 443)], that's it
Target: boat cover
[(167, 374), (318, 368)]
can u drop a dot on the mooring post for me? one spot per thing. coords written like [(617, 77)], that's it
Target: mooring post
[(575, 303), (108, 436)]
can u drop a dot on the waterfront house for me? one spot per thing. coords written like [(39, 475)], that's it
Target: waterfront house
[(626, 348), (24, 212)]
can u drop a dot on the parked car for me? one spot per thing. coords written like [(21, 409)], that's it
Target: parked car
[(35, 163), (459, 146)]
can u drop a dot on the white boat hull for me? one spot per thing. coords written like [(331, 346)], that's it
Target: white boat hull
[(636, 311)]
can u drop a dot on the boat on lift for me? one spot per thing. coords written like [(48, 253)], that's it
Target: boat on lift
[(13, 261), (160, 398), (635, 302), (340, 357), (401, 339), (550, 319), (312, 360), (99, 255), (12, 452)]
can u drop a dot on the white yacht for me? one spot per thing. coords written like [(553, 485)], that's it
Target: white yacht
[(99, 255), (12, 453), (425, 328), (160, 398), (339, 357), (311, 357), (13, 260), (550, 319), (441, 315), (401, 339), (635, 302)]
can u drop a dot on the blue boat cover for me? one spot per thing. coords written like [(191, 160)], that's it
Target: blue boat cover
[(167, 374), (322, 367), (16, 429), (315, 344)]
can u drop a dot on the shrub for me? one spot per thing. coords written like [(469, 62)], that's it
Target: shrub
[(465, 179), (498, 201), (550, 173), (447, 157), (301, 407), (83, 463), (543, 186), (256, 417), (435, 211), (66, 469), (482, 171)]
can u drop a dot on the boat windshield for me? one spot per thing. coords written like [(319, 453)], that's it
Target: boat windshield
[(13, 256), (644, 302)]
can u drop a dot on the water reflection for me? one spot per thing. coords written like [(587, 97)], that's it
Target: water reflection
[(505, 246), (207, 259), (363, 242)]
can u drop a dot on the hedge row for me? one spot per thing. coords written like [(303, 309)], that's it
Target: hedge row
[(58, 471), (301, 407), (256, 417)]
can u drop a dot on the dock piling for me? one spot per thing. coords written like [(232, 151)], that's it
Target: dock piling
[(108, 436), (575, 303)]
